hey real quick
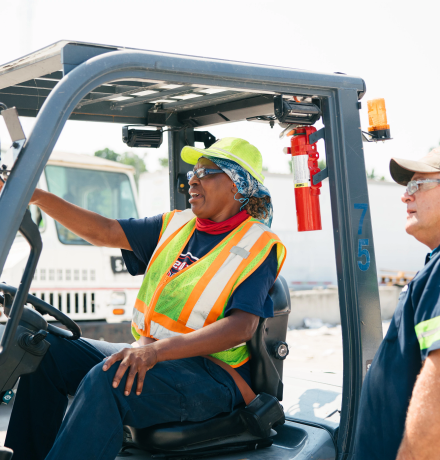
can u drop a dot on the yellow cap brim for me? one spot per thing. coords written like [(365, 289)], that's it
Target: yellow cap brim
[(191, 155)]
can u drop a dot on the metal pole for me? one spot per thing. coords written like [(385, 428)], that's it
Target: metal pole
[(178, 168), (354, 250)]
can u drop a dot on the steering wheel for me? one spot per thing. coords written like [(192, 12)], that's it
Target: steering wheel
[(42, 307)]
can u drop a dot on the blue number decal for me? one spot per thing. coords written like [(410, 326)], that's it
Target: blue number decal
[(362, 242), (363, 252), (364, 207)]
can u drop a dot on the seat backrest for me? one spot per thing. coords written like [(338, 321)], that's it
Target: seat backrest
[(266, 369)]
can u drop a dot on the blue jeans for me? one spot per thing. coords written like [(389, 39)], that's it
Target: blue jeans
[(192, 389)]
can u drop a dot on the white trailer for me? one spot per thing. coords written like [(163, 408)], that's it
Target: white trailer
[(83, 281)]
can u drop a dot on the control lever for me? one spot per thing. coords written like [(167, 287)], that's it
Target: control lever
[(36, 338), (34, 344), (32, 235)]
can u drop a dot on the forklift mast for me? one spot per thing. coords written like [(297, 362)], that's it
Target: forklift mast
[(80, 81)]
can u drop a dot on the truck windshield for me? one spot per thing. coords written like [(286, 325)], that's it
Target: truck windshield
[(107, 193)]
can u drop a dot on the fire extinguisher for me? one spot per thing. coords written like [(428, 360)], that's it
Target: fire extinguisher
[(305, 166)]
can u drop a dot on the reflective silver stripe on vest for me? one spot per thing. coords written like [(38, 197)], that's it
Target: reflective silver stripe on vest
[(139, 319), (219, 281), (178, 220), (240, 252), (159, 332)]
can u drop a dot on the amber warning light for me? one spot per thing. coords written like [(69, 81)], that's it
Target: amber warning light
[(379, 129)]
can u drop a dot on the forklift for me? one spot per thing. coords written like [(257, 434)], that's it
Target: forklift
[(153, 93)]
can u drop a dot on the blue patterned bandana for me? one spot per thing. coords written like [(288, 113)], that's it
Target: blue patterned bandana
[(247, 185)]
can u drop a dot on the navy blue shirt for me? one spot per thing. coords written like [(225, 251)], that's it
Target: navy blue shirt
[(413, 333), (250, 296)]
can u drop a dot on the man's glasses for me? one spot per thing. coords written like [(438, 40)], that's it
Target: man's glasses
[(201, 173), (423, 184)]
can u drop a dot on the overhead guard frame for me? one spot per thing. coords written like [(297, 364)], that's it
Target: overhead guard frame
[(93, 66)]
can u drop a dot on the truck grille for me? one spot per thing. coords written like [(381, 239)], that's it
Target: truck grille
[(72, 303)]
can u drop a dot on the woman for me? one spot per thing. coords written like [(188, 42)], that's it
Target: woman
[(207, 282)]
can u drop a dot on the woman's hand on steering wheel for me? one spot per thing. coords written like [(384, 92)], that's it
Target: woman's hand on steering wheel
[(137, 361)]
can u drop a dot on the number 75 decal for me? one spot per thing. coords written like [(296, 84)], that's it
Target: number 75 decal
[(363, 264)]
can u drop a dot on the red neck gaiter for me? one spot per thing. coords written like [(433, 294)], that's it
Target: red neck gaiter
[(215, 228)]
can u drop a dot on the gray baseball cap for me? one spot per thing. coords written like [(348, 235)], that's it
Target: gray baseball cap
[(402, 170)]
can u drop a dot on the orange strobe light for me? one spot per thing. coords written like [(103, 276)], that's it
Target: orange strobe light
[(377, 115), (379, 129)]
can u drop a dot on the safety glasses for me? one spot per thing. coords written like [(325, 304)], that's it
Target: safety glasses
[(202, 172), (423, 184)]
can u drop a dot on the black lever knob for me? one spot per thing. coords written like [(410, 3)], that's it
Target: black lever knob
[(281, 350), (37, 338)]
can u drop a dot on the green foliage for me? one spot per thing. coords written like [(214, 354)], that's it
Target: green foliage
[(126, 158), (265, 168), (163, 162), (371, 175), (108, 155), (374, 176)]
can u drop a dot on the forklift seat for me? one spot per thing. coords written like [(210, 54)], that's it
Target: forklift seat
[(268, 349)]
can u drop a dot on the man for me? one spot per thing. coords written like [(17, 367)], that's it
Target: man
[(208, 275), (399, 413)]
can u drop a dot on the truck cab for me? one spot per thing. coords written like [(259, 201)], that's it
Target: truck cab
[(86, 282)]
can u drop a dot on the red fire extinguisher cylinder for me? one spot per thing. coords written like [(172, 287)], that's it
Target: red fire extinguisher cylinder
[(305, 166)]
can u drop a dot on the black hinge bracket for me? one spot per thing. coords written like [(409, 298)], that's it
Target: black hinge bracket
[(319, 177), (206, 137), (314, 137)]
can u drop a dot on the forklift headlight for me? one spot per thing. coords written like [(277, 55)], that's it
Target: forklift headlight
[(135, 137), (118, 298), (289, 112)]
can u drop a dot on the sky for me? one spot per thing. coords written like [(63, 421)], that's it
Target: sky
[(392, 45)]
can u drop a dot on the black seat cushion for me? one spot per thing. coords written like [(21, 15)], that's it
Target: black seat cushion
[(169, 436)]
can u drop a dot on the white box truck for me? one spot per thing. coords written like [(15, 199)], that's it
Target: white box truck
[(84, 281)]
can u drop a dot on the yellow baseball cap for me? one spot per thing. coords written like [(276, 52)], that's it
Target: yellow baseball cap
[(229, 148)]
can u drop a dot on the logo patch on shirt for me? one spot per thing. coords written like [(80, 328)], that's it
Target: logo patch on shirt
[(183, 261)]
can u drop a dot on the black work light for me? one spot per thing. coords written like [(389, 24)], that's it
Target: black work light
[(136, 137), (289, 112)]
